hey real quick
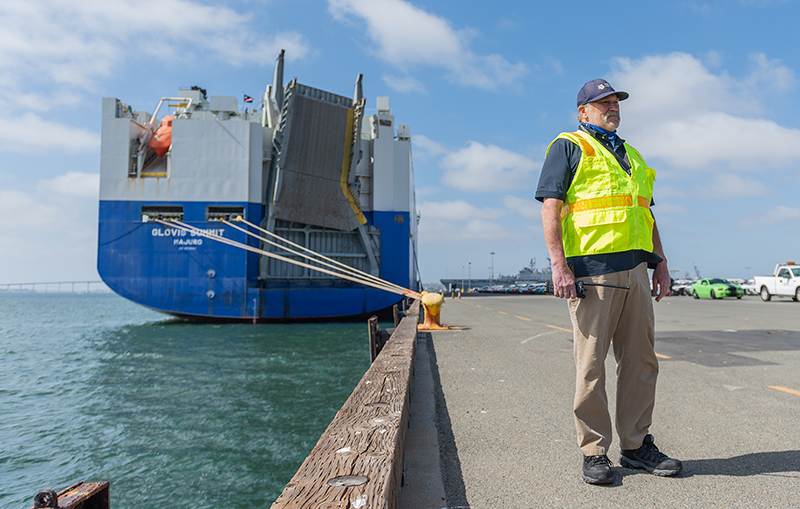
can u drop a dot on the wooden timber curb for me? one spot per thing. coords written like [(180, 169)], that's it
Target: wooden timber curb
[(358, 461)]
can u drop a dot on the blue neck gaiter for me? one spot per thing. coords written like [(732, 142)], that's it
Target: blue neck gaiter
[(610, 135)]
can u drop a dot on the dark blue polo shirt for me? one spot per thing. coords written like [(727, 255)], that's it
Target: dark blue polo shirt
[(557, 173)]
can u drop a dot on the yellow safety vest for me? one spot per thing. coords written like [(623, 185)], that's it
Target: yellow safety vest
[(607, 210)]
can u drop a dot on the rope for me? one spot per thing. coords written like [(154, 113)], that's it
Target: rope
[(333, 263), (382, 285)]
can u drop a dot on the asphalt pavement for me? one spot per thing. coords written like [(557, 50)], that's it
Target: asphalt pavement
[(727, 405)]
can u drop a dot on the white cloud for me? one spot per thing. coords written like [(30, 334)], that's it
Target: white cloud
[(772, 217), (425, 146), (54, 51), (684, 114), (456, 210), (664, 209), (406, 36), (427, 191), (29, 132), (459, 223), (487, 168), (405, 84), (75, 42), (529, 209), (76, 184), (36, 214), (767, 75), (54, 231), (730, 185)]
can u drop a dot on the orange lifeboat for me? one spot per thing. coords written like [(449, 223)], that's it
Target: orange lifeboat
[(162, 138)]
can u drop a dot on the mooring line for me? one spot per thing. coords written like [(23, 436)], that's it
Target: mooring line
[(386, 286), (317, 257)]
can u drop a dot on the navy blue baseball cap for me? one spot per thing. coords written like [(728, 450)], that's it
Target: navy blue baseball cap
[(597, 89)]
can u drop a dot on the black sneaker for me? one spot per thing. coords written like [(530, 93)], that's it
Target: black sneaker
[(597, 470), (649, 458)]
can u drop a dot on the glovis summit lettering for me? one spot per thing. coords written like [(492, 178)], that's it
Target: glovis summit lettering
[(177, 232)]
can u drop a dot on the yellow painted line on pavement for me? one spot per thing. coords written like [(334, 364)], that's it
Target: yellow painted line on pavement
[(502, 312), (523, 318), (784, 389), (559, 328), (489, 309), (479, 305), (663, 356)]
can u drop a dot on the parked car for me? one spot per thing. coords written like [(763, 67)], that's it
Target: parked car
[(716, 288), (681, 287), (536, 288), (784, 282), (749, 287)]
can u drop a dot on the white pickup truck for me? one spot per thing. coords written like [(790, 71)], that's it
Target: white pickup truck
[(784, 282)]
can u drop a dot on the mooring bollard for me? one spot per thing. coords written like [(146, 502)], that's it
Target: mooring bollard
[(432, 304)]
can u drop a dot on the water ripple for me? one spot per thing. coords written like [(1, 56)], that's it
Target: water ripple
[(96, 388)]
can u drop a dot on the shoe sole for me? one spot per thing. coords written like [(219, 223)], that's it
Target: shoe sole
[(629, 463), (589, 480)]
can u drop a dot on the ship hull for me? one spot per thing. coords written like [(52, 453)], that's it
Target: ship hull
[(189, 276)]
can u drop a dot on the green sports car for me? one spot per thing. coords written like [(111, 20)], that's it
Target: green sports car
[(716, 288)]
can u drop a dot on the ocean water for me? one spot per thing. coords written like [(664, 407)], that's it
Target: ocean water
[(171, 413)]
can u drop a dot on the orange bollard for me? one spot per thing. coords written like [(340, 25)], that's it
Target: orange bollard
[(432, 302)]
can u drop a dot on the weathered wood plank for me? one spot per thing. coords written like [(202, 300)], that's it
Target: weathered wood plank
[(365, 438)]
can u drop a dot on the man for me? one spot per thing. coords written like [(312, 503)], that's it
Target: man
[(596, 192)]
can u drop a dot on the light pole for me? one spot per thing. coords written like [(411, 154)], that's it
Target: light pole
[(462, 278), (469, 286), (491, 280)]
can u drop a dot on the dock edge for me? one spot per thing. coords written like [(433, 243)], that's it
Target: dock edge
[(358, 460)]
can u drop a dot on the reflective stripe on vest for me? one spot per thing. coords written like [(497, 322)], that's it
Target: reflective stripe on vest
[(603, 202), (606, 210)]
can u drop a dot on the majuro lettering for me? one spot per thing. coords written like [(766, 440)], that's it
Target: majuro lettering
[(187, 242)]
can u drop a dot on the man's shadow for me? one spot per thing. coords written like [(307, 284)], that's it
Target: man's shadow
[(779, 463)]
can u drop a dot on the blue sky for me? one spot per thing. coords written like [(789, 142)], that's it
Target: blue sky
[(485, 87)]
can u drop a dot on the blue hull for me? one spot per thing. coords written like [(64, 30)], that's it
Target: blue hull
[(191, 276)]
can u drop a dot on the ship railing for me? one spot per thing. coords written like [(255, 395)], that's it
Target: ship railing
[(56, 287)]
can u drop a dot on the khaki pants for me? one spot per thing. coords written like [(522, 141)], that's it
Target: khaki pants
[(626, 317)]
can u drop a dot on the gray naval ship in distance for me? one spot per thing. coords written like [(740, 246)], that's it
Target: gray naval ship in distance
[(304, 164), (528, 274)]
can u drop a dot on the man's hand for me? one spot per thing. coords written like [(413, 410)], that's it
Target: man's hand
[(564, 283), (563, 277), (661, 280)]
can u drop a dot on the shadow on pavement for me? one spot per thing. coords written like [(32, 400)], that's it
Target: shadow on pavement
[(452, 477), (757, 463), (783, 463)]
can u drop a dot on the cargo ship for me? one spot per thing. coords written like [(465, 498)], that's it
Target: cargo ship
[(304, 164)]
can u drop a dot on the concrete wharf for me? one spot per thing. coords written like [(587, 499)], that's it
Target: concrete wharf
[(496, 398)]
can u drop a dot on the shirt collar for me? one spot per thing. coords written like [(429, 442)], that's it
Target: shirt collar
[(611, 136)]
